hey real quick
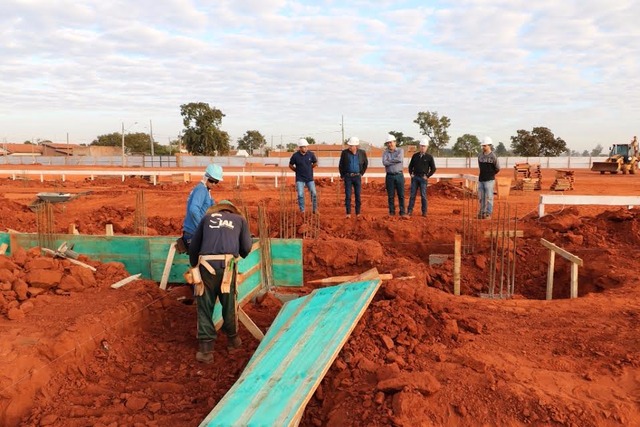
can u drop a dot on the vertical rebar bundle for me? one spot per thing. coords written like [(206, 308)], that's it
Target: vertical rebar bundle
[(264, 236), (45, 225), (288, 211), (502, 251), (470, 220), (140, 215)]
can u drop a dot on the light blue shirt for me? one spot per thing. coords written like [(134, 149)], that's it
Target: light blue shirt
[(392, 160)]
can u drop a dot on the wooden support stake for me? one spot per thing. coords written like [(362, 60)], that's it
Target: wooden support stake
[(109, 230), (72, 229), (341, 279), (457, 261), (552, 261), (248, 323), (167, 266), (123, 282), (574, 280), (3, 248)]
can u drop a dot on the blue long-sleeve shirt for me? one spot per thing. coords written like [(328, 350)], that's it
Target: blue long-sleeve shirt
[(392, 160), (197, 204)]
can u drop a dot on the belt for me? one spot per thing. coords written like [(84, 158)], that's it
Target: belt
[(353, 174), (394, 173)]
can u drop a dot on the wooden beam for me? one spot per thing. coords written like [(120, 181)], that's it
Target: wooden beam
[(3, 248), (109, 229), (562, 252), (550, 270), (248, 323), (167, 266), (574, 280), (341, 279), (243, 276), (125, 281)]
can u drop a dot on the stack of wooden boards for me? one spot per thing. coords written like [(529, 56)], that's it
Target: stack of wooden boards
[(527, 177), (564, 180)]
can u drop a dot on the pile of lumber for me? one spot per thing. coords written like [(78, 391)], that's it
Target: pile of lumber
[(564, 180), (527, 177)]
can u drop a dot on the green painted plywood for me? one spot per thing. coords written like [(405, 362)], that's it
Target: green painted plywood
[(286, 259), (293, 358)]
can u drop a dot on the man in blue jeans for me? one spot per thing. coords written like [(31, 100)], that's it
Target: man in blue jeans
[(489, 167), (421, 167), (353, 164), (302, 163), (392, 159)]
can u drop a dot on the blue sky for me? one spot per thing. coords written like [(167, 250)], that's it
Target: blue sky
[(293, 68)]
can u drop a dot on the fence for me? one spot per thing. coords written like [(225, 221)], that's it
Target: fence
[(203, 161)]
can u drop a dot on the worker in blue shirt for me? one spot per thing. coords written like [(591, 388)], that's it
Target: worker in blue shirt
[(302, 163), (197, 204)]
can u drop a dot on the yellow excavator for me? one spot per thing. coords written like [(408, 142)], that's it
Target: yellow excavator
[(622, 158)]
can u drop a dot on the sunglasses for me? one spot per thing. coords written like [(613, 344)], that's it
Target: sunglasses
[(213, 181)]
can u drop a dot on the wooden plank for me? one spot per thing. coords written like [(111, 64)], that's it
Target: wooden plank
[(296, 353), (109, 230), (248, 323), (125, 281), (342, 279), (574, 280), (557, 199), (3, 248), (242, 276), (457, 260), (565, 254), (550, 270), (167, 266), (500, 233), (71, 260)]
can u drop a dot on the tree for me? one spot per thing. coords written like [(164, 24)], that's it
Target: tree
[(501, 150), (466, 145), (202, 134), (585, 153), (402, 140), (434, 128), (597, 151), (539, 142), (251, 141), (310, 140), (139, 142), (292, 146)]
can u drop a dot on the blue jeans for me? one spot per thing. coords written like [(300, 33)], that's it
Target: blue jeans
[(418, 181), (485, 195), (395, 183), (311, 185), (356, 183)]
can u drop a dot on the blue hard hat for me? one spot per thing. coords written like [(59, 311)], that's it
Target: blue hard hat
[(214, 171)]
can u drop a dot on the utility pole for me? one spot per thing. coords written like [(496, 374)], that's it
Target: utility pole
[(151, 138), (122, 144)]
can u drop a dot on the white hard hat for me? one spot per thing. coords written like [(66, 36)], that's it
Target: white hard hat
[(487, 141), (353, 141), (424, 142), (390, 138), (302, 142)]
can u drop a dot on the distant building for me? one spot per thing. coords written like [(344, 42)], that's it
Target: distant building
[(12, 149)]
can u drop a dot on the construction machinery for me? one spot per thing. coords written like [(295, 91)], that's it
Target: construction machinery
[(622, 158)]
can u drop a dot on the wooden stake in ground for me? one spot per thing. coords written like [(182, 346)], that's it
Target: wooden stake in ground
[(457, 250)]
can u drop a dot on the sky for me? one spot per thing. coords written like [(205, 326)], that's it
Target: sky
[(291, 69)]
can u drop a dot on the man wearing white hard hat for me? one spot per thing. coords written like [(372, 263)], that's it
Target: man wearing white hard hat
[(392, 159), (421, 167), (302, 163), (489, 167), (353, 164)]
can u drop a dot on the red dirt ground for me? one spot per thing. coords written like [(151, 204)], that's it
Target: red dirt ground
[(79, 353)]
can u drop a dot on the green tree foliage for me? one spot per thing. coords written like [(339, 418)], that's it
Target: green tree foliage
[(251, 141), (402, 140), (466, 146), (539, 142), (134, 143), (202, 134), (292, 146), (597, 151), (310, 140), (435, 128), (501, 150)]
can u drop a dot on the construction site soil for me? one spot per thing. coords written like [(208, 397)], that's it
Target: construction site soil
[(75, 352)]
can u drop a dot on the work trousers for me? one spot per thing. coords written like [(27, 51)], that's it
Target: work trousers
[(395, 183), (418, 182), (355, 183), (311, 185), (485, 195), (206, 304)]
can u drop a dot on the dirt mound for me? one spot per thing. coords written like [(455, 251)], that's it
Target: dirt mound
[(16, 216)]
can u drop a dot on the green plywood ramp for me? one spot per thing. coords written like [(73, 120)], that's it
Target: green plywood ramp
[(294, 356)]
